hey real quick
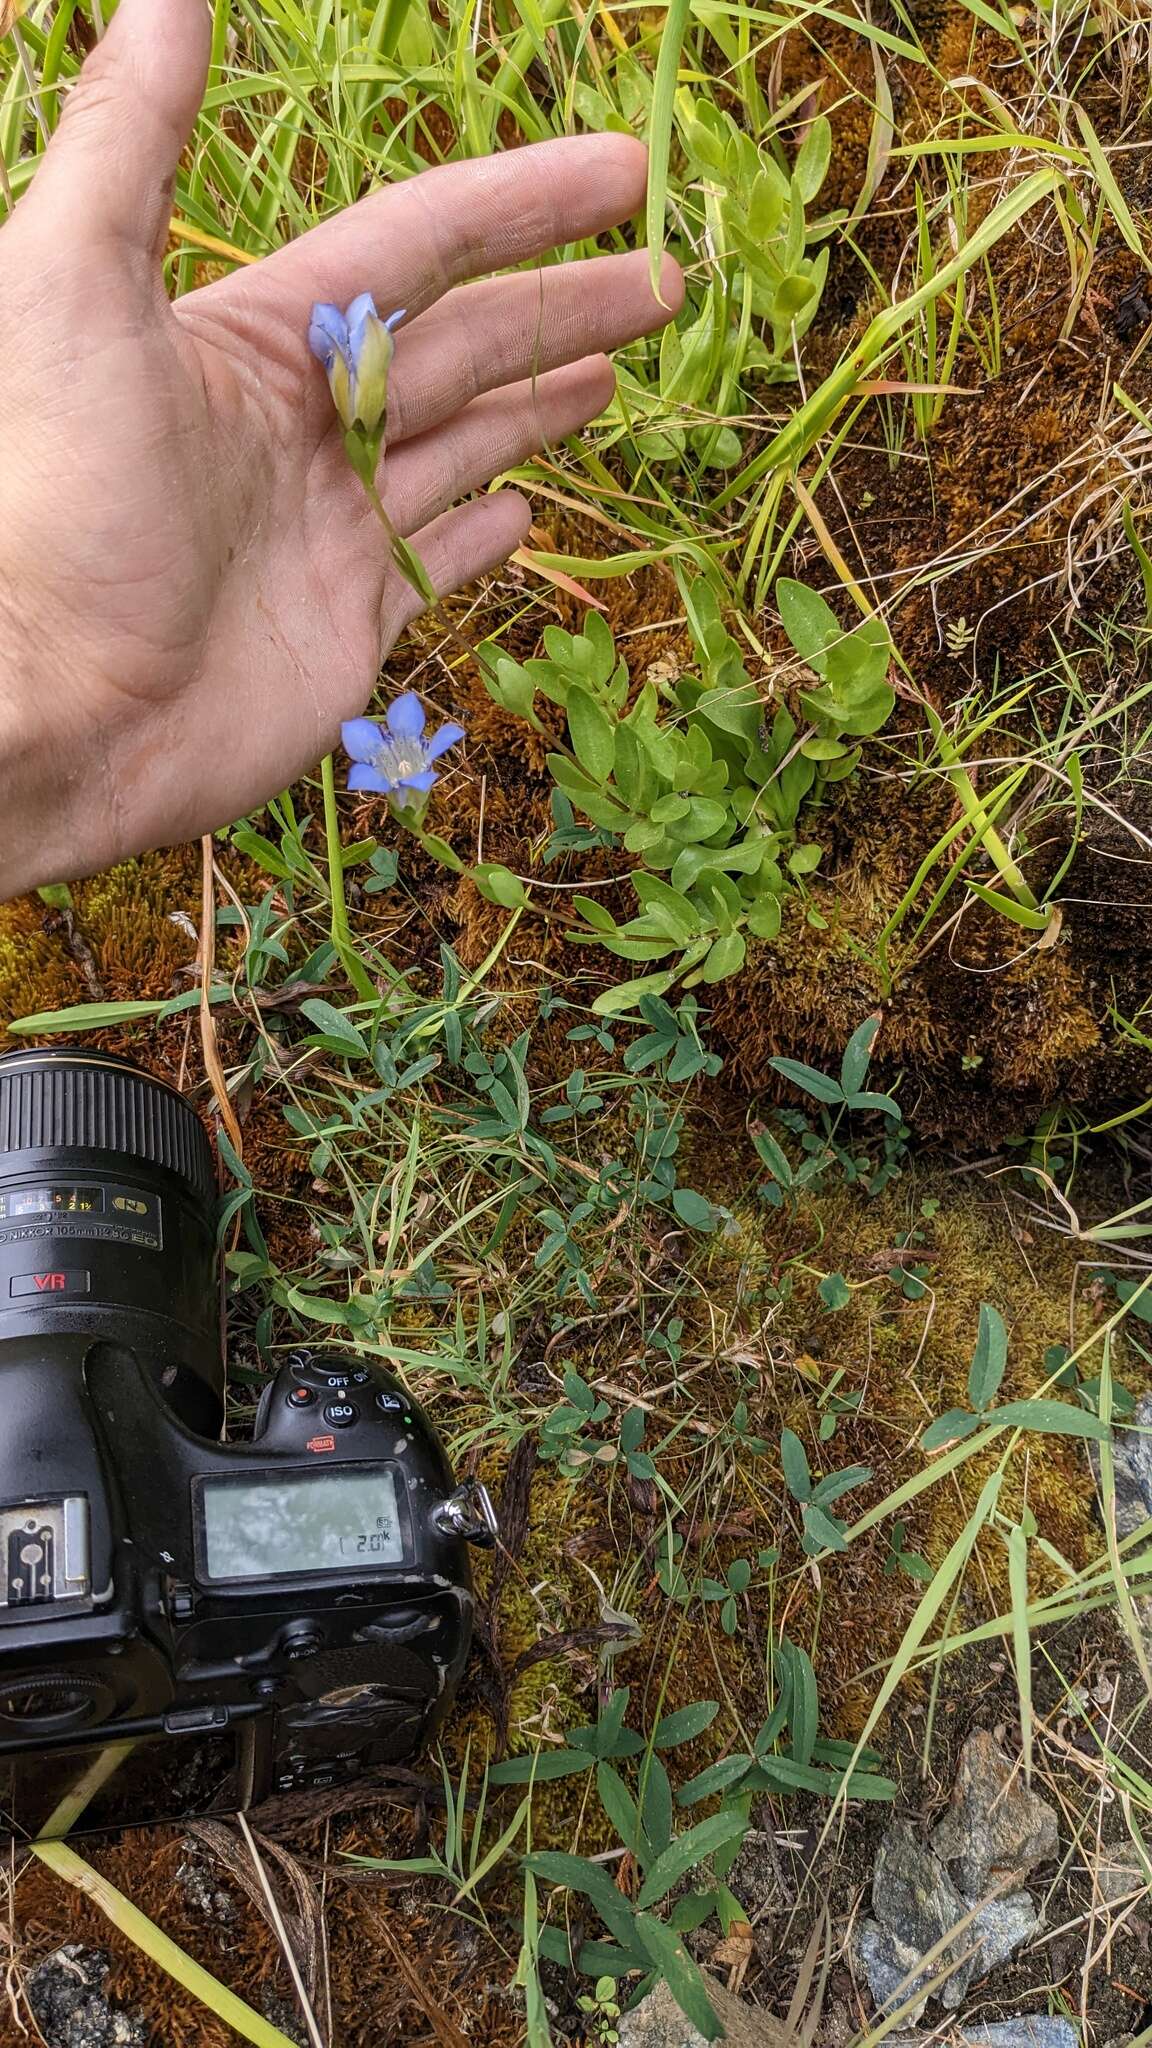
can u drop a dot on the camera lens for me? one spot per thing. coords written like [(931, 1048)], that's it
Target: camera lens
[(107, 1198)]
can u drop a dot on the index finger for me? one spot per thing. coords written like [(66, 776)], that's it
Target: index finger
[(410, 242)]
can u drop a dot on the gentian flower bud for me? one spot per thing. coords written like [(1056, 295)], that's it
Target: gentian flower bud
[(356, 350)]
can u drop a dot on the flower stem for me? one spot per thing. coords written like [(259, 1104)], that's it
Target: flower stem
[(346, 952), (414, 573)]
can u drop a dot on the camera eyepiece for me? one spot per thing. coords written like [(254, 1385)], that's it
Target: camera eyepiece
[(107, 1198)]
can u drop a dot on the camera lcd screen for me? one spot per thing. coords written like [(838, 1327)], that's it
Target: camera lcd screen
[(343, 1521)]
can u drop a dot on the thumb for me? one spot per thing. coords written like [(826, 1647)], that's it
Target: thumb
[(110, 165)]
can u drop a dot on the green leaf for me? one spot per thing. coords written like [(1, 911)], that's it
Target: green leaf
[(592, 1882), (1008, 906), (811, 625), (725, 956), (949, 1429), (634, 774), (593, 736), (685, 1725), (1053, 1418), (764, 918), (680, 1973), (620, 1808), (834, 1291), (613, 1002), (858, 1055), (813, 158), (499, 885), (442, 852), (810, 1079), (548, 1764), (693, 1210), (820, 1528), (261, 850), (689, 1849), (335, 1027), (316, 1308), (804, 1708), (804, 860), (656, 1804), (85, 1017), (632, 1427), (774, 1159), (719, 1777), (838, 1483), (989, 1358), (671, 912), (882, 1103), (794, 1459)]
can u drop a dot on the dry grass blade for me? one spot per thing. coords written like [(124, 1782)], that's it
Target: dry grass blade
[(276, 1917), (444, 2028), (206, 960), (303, 1928)]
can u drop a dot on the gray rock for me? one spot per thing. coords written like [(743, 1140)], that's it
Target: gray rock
[(916, 1902), (892, 1970), (1132, 1463), (996, 1831), (1002, 1926), (658, 2022), (70, 2008), (1031, 2030), (916, 1905)]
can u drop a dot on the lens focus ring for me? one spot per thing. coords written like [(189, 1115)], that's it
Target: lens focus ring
[(59, 1100)]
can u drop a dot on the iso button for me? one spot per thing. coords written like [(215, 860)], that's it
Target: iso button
[(341, 1414)]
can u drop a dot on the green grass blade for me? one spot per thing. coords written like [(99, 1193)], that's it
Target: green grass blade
[(660, 133), (159, 1947)]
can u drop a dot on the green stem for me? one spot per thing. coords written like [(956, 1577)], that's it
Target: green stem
[(349, 958)]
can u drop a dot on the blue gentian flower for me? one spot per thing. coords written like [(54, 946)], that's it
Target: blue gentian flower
[(356, 350), (401, 757)]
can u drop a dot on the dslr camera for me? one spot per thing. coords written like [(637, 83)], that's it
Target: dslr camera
[(187, 1625)]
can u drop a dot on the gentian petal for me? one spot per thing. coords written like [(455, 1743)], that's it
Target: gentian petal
[(422, 779), (439, 743), (362, 309), (327, 333), (361, 738), (405, 716), (361, 776), (394, 319)]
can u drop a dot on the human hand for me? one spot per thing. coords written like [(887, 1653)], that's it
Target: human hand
[(194, 592)]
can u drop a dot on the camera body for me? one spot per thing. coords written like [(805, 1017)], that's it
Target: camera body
[(188, 1625)]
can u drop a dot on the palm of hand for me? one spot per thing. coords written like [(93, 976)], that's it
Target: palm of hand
[(218, 596)]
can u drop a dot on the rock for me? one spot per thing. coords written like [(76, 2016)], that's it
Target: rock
[(996, 1830), (1031, 2030), (1132, 1464), (891, 1970), (70, 2008), (658, 2022), (915, 1904), (1002, 1926)]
